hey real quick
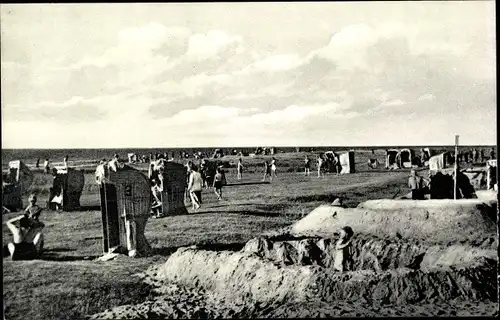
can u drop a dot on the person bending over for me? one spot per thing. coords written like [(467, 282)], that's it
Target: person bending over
[(27, 241)]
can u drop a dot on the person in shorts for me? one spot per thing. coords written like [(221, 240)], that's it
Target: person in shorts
[(218, 183), (195, 186)]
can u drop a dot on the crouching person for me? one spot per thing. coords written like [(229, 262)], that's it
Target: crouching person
[(27, 238), (343, 250)]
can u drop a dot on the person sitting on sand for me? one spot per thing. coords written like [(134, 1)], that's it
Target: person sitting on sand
[(218, 184), (27, 238), (33, 210), (343, 250), (195, 186)]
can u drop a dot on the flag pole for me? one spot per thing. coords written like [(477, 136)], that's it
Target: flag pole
[(456, 168)]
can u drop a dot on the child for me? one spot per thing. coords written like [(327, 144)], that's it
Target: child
[(307, 163), (343, 250), (218, 184), (33, 210)]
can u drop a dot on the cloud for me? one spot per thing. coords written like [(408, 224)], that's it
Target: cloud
[(393, 103), (426, 96)]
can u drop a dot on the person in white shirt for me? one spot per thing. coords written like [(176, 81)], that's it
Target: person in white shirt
[(46, 166), (195, 186), (240, 169)]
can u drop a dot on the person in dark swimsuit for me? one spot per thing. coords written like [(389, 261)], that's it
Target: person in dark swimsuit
[(27, 238)]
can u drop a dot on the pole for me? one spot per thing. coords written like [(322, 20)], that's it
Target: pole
[(456, 168)]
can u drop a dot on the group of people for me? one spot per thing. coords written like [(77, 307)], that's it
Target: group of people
[(321, 164), (475, 156), (196, 183)]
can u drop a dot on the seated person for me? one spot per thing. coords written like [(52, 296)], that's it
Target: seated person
[(33, 210), (27, 238)]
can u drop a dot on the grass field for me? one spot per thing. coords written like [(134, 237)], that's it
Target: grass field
[(68, 283)]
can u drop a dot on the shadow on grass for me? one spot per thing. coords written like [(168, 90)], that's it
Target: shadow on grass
[(59, 250), (208, 246), (247, 183), (242, 212), (90, 208), (47, 256)]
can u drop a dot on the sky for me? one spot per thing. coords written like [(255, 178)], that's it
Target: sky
[(248, 74)]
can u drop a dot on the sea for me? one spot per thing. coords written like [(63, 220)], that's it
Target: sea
[(30, 156)]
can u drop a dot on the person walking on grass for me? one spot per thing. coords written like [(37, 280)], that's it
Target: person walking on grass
[(156, 190), (307, 165), (27, 241), (195, 186), (319, 162), (240, 169), (218, 183)]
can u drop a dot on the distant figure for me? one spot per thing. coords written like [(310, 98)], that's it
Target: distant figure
[(466, 157), (33, 210), (240, 169), (320, 165), (373, 151), (475, 155), (115, 163), (481, 153), (56, 192), (307, 165), (273, 169), (46, 166), (218, 183), (416, 184), (37, 165), (267, 171), (156, 190), (100, 172), (195, 186), (65, 162), (343, 250), (27, 241), (492, 154)]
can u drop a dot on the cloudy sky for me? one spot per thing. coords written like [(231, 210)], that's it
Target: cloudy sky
[(246, 74)]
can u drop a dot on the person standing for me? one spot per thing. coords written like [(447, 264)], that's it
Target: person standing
[(492, 154), (273, 168), (415, 183), (37, 165), (267, 171), (307, 164), (195, 186), (319, 162), (240, 169), (481, 153), (65, 162), (474, 155), (46, 166), (343, 250), (218, 183)]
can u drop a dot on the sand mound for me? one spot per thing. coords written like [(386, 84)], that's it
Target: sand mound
[(435, 220), (257, 274), (266, 276)]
